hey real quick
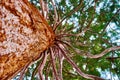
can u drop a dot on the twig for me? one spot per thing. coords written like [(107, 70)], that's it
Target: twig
[(110, 20), (112, 58), (70, 13), (88, 26), (41, 66)]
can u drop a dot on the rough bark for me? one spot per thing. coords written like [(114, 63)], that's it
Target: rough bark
[(24, 34)]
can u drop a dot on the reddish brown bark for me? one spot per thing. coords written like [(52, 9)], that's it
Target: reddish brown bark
[(24, 34)]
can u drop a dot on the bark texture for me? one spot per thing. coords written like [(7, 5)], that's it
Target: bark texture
[(24, 34)]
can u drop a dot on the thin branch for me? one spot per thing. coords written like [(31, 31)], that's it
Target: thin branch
[(70, 13), (55, 12), (63, 28), (66, 43), (87, 27), (40, 57), (112, 58), (79, 34), (111, 20), (42, 6), (61, 47), (34, 72), (53, 64), (71, 47), (65, 35), (103, 53), (69, 73), (61, 58), (47, 71), (23, 71), (41, 66)]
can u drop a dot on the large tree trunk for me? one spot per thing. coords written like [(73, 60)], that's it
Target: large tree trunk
[(24, 34)]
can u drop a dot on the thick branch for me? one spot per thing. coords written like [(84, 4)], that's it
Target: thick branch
[(61, 47), (53, 64), (103, 53)]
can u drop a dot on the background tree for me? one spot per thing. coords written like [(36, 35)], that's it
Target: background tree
[(87, 32)]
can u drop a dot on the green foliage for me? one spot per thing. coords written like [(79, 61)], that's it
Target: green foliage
[(96, 19)]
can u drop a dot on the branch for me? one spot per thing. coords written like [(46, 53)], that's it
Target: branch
[(40, 57), (47, 70), (44, 8), (53, 64), (103, 53), (23, 71), (86, 29), (87, 76), (70, 13), (55, 12), (112, 57), (60, 67), (111, 20), (41, 66)]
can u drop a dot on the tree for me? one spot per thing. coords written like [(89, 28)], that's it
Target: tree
[(24, 34), (80, 44)]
